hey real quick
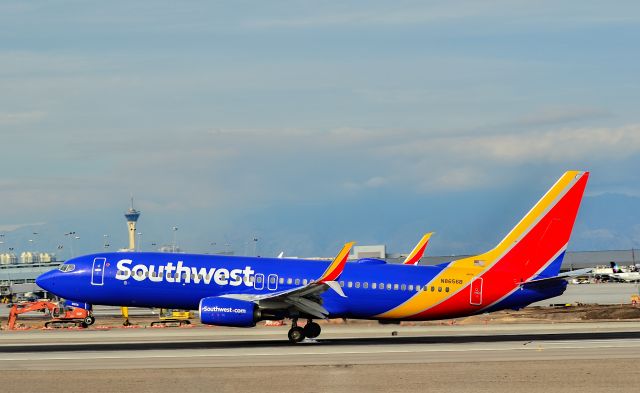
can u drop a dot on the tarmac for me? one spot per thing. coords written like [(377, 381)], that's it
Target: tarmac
[(567, 357), (601, 293), (546, 350)]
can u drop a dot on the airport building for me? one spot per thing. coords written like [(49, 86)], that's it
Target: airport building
[(19, 279)]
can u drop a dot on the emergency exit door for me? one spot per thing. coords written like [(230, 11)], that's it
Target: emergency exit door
[(476, 292)]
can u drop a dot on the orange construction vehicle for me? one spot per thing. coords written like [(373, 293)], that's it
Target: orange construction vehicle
[(61, 316)]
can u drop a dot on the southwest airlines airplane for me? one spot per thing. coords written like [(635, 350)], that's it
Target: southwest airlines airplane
[(240, 291)]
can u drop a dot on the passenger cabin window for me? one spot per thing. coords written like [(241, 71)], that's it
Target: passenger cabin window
[(304, 281), (272, 280), (411, 287), (349, 284), (395, 287), (357, 284), (281, 280), (297, 281), (374, 285), (365, 285), (289, 281), (388, 287)]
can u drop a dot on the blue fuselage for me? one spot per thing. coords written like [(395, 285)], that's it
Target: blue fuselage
[(142, 279)]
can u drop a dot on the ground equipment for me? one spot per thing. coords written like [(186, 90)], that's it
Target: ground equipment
[(62, 316), (173, 317)]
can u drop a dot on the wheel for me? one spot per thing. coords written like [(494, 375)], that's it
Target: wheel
[(89, 320), (296, 334), (312, 330)]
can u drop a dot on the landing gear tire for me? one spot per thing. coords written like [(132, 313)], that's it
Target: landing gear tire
[(312, 330), (296, 334), (89, 320)]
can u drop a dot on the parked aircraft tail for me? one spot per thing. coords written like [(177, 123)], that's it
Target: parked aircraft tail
[(418, 250), (615, 267)]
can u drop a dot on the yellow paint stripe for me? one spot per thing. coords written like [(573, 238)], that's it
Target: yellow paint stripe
[(467, 268)]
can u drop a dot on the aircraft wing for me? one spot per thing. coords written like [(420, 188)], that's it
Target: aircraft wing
[(561, 276), (305, 298)]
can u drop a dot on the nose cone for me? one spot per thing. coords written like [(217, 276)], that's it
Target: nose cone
[(47, 281)]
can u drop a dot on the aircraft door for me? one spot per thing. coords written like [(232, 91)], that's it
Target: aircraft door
[(97, 271), (272, 283), (259, 282), (476, 291)]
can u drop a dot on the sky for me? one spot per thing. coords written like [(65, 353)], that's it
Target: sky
[(306, 125)]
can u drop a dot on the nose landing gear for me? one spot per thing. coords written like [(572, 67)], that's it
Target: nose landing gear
[(297, 334)]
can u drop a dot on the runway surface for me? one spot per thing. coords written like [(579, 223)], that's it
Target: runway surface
[(188, 348), (564, 357)]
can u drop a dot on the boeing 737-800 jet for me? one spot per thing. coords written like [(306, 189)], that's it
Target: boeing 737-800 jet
[(240, 291)]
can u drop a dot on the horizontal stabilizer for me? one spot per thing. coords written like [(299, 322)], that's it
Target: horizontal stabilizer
[(561, 276)]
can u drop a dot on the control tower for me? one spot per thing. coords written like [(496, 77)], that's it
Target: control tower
[(132, 217)]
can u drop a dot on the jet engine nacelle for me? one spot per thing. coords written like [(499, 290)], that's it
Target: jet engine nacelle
[(228, 312)]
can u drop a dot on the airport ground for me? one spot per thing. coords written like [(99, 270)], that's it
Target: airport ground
[(555, 357), (589, 348)]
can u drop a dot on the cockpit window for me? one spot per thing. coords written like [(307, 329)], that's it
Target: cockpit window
[(67, 267)]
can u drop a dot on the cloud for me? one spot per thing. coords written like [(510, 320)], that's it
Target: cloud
[(599, 234), (556, 116), (454, 179), (408, 13), (562, 145), (21, 117), (373, 182), (13, 227)]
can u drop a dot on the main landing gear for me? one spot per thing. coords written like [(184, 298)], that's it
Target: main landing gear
[(297, 333)]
